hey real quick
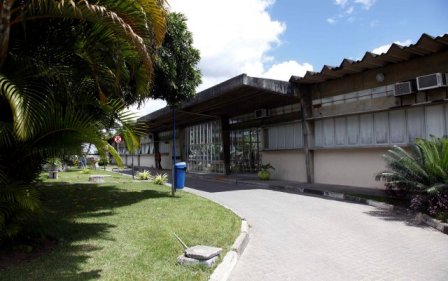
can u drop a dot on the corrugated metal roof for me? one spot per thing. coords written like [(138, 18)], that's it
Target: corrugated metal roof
[(426, 45)]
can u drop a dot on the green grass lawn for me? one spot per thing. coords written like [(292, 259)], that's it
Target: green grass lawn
[(76, 176), (123, 231)]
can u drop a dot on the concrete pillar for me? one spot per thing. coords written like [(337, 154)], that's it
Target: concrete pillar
[(225, 138), (306, 103), (181, 142), (156, 149)]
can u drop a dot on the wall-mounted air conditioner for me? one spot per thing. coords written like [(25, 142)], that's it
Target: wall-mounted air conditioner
[(431, 81), (404, 88), (261, 113)]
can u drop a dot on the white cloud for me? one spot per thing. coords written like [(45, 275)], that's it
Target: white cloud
[(366, 4), (348, 9), (340, 2), (284, 70), (331, 20), (385, 48), (233, 36), (149, 106)]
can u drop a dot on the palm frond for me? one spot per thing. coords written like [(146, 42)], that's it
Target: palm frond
[(424, 169)]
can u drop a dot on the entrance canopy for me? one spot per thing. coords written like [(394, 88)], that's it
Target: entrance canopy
[(240, 95)]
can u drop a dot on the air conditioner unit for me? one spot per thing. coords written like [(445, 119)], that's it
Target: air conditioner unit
[(261, 113), (431, 81), (404, 88)]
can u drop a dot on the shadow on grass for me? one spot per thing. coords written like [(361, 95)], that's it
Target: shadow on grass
[(65, 209)]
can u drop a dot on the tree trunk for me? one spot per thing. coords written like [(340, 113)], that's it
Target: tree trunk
[(5, 22)]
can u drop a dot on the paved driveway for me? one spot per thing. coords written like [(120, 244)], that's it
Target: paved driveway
[(296, 237)]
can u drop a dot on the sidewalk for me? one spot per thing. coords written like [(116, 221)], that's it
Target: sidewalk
[(289, 186), (281, 185)]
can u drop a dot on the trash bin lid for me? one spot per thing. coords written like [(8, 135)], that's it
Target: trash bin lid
[(181, 165)]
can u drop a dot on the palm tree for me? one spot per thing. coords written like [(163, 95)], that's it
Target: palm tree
[(62, 63), (41, 128), (112, 42)]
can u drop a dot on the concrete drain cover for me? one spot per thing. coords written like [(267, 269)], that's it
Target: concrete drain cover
[(183, 260), (202, 252)]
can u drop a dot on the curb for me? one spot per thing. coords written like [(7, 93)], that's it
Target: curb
[(419, 217), (225, 268)]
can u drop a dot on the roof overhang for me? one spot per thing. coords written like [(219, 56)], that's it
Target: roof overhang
[(426, 45), (240, 95)]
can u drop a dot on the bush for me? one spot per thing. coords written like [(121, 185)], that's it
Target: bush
[(20, 205), (145, 175), (264, 173), (160, 179), (86, 171), (104, 161), (421, 174)]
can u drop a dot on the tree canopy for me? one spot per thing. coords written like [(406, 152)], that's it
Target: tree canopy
[(176, 72)]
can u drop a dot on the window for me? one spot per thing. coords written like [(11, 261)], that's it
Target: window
[(287, 136)]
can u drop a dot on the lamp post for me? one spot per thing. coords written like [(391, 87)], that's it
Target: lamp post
[(173, 172)]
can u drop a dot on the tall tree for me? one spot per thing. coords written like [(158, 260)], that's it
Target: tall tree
[(176, 72)]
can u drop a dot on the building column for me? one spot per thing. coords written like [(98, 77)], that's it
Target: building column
[(181, 141), (306, 103), (157, 154), (225, 138)]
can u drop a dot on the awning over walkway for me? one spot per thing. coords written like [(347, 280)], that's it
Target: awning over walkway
[(239, 95)]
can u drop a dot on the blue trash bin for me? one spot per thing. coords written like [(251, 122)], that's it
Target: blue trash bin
[(180, 169)]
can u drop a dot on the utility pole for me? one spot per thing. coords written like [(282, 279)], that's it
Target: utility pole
[(173, 172)]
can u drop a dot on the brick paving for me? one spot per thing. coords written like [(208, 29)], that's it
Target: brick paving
[(295, 237)]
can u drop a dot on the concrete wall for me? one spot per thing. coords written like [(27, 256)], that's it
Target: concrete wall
[(354, 166), (166, 161), (148, 160), (392, 73), (127, 160), (288, 164)]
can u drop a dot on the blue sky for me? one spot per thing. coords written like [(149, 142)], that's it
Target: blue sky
[(277, 39), (310, 37)]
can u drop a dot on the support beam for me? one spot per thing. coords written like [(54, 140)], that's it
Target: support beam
[(225, 138), (308, 130)]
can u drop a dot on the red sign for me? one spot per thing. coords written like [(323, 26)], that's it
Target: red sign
[(117, 139)]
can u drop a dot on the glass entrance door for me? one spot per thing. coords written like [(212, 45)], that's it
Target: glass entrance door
[(245, 148)]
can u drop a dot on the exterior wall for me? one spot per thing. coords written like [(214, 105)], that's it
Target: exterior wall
[(127, 160), (147, 160), (166, 162), (392, 73), (354, 166), (288, 164)]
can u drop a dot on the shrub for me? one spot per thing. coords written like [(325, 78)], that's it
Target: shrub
[(86, 171), (19, 206), (104, 161), (422, 174), (145, 175), (160, 179), (264, 173), (434, 204), (424, 169)]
